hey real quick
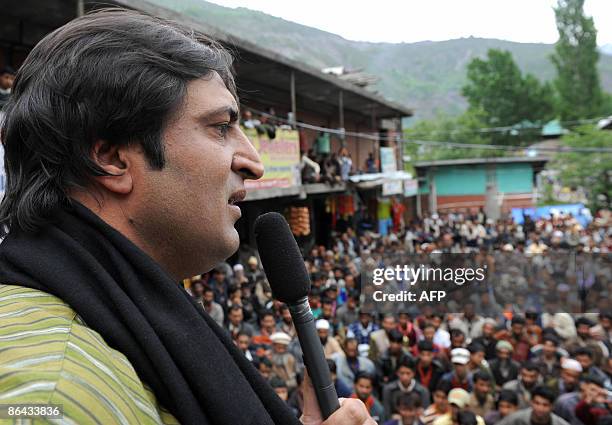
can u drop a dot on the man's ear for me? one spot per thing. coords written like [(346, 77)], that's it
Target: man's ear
[(115, 160)]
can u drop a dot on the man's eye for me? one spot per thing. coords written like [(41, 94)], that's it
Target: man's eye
[(223, 129)]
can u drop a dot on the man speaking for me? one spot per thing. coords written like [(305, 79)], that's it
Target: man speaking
[(123, 153)]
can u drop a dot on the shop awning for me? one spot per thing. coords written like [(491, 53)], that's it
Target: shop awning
[(369, 181)]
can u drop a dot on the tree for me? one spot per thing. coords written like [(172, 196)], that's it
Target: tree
[(497, 87), (575, 58), (462, 129), (592, 171)]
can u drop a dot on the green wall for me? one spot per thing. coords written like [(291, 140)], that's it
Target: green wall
[(472, 179), (461, 180), (514, 178)]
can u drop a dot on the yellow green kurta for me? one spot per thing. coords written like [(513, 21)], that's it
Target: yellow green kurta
[(48, 355)]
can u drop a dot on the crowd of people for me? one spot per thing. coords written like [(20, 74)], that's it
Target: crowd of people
[(479, 361)]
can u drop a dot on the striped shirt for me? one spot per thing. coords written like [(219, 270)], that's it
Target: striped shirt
[(48, 355)]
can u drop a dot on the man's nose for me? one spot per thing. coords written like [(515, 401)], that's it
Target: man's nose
[(246, 161)]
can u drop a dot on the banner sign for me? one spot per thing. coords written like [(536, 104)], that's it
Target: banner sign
[(280, 157), (411, 187), (392, 187), (388, 164)]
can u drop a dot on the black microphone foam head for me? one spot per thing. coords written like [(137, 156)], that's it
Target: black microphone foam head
[(281, 258)]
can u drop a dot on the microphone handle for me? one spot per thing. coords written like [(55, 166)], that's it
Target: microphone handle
[(314, 358)]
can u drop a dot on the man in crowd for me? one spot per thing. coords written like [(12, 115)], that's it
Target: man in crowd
[(503, 368), (404, 384), (459, 377), (330, 345), (364, 386), (459, 400), (506, 404), (389, 360), (439, 406), (350, 363), (540, 412), (428, 369), (481, 400), (363, 328), (529, 378), (7, 77), (487, 339), (409, 410), (235, 323), (205, 296), (379, 340), (548, 357), (568, 377), (284, 365)]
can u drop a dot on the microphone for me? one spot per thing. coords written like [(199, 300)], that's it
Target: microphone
[(290, 283)]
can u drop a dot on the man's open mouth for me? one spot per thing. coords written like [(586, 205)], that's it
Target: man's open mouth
[(236, 197)]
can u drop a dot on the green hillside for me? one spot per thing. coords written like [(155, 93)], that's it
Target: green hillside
[(426, 76)]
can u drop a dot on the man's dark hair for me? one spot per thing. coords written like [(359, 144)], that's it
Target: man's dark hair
[(265, 361), (113, 75), (7, 70), (475, 347), (395, 336), (481, 376), (584, 321), (425, 346), (409, 401), (544, 392), (518, 320), (218, 270), (351, 340), (593, 379), (243, 333), (530, 366), (364, 375), (583, 351), (454, 333), (235, 307), (552, 338), (326, 300), (444, 386), (465, 417), (406, 362), (332, 365), (428, 325), (198, 282), (508, 396), (264, 314), (276, 382)]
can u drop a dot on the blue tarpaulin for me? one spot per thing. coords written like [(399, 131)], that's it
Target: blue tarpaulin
[(579, 211)]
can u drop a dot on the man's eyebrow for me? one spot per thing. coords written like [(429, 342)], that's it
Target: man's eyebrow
[(224, 110)]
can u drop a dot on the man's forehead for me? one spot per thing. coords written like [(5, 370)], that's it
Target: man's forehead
[(209, 94)]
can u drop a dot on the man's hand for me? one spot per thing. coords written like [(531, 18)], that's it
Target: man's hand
[(351, 412)]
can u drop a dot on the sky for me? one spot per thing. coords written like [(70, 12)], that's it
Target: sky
[(410, 21)]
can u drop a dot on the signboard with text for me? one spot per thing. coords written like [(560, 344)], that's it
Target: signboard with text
[(411, 187), (388, 164), (280, 157)]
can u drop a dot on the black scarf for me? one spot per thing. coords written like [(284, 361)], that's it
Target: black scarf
[(190, 362)]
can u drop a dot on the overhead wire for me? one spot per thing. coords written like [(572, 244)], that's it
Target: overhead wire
[(438, 143)]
